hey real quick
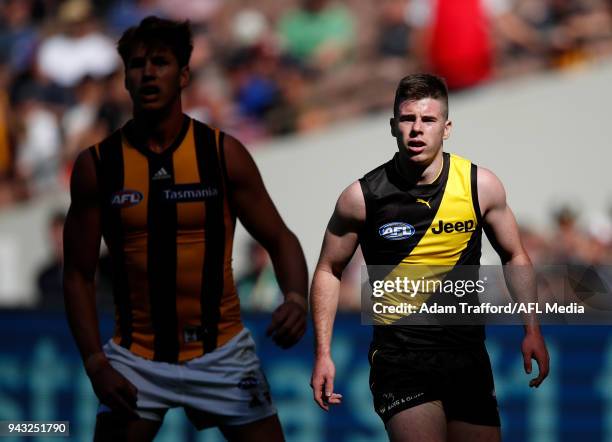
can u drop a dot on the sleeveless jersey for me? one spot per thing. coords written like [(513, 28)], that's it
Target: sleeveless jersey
[(169, 229), (439, 225)]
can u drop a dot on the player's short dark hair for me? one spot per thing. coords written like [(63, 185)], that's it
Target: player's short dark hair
[(154, 31), (419, 86)]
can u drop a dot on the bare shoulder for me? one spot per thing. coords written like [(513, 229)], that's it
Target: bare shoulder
[(491, 192), (238, 160), (83, 182), (487, 178), (351, 204), (232, 146)]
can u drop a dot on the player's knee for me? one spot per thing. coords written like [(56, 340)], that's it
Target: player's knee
[(422, 423), (268, 429), (112, 427)]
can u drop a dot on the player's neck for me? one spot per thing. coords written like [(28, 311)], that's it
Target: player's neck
[(420, 174), (158, 130)]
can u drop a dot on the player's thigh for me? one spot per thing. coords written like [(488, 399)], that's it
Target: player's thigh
[(465, 432), (471, 405), (422, 423), (114, 428), (267, 429)]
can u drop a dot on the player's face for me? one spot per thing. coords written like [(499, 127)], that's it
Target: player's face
[(154, 78), (420, 128)]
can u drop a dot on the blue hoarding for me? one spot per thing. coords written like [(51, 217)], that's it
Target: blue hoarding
[(41, 378)]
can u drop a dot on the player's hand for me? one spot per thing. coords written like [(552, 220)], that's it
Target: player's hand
[(534, 347), (322, 383), (113, 390), (288, 323)]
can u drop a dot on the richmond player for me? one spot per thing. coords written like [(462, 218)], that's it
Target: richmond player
[(424, 207)]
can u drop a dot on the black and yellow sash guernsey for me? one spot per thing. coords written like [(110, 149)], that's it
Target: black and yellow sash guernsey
[(167, 223), (410, 227)]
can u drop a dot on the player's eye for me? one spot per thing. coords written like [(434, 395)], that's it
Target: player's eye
[(136, 63), (407, 118), (160, 61)]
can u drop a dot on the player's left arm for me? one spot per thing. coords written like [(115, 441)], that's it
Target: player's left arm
[(256, 211), (501, 228)]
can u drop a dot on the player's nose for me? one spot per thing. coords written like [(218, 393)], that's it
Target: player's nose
[(149, 69)]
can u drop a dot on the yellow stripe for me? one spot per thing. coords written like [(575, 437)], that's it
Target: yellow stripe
[(445, 249), (134, 220)]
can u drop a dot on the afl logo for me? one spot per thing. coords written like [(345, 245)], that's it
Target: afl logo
[(126, 198), (396, 231)]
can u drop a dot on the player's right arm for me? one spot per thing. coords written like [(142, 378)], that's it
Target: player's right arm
[(339, 244), (82, 234)]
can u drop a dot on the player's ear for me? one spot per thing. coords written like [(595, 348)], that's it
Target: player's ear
[(185, 76), (447, 129), (393, 124)]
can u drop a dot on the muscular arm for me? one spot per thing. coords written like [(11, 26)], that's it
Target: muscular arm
[(339, 244), (81, 249), (82, 233), (499, 222), (503, 233), (259, 216)]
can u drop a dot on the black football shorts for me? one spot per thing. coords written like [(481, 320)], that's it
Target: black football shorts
[(460, 378)]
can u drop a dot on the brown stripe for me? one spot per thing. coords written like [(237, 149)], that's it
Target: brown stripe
[(161, 261), (214, 228), (136, 177)]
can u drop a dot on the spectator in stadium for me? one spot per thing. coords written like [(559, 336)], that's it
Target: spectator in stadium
[(123, 14), (461, 41), (599, 241), (38, 139), (79, 49), (394, 32), (18, 34), (569, 242), (78, 120), (256, 92), (318, 33)]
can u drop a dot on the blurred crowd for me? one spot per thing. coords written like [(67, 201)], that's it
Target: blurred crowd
[(574, 240), (261, 68)]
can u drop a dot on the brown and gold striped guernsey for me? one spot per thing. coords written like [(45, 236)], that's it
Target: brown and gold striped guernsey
[(169, 228)]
